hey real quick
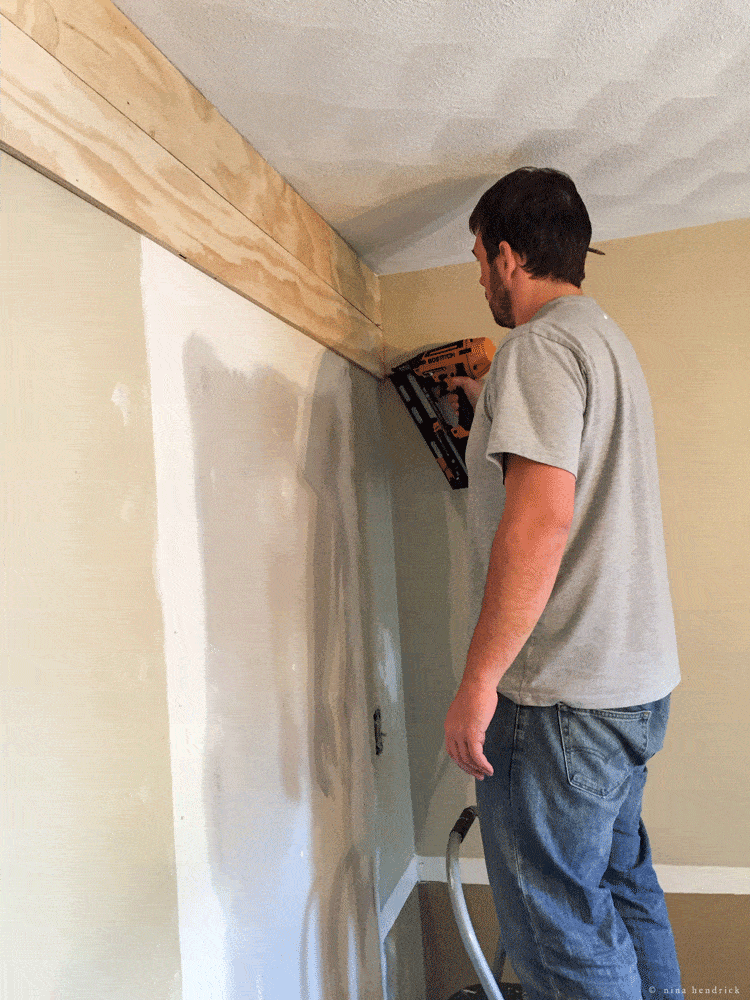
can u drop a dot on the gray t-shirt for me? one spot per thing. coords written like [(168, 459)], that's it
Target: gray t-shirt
[(566, 389)]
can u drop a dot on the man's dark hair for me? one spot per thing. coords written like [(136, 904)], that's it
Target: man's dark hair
[(539, 213)]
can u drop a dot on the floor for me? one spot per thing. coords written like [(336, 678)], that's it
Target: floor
[(712, 934)]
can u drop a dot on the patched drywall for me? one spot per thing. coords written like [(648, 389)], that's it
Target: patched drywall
[(89, 901), (281, 633)]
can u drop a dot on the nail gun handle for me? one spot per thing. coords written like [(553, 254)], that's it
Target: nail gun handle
[(465, 414), (465, 410)]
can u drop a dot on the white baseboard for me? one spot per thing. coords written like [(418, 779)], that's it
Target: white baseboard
[(672, 878), (703, 879), (395, 902)]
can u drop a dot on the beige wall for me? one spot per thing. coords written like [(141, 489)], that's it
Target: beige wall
[(89, 892), (684, 300)]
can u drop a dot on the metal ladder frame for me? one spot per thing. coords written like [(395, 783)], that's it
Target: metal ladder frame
[(489, 978)]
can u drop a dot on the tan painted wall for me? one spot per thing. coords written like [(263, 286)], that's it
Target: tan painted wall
[(89, 893), (683, 298)]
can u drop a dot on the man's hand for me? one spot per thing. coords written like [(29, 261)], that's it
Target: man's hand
[(471, 386), (465, 725)]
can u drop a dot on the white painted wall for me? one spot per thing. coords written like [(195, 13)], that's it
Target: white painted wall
[(258, 563)]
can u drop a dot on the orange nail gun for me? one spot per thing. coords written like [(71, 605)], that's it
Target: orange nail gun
[(421, 384)]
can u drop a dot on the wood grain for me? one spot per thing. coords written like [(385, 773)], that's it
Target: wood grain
[(55, 122), (97, 43)]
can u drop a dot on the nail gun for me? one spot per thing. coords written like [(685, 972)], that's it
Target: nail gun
[(421, 383)]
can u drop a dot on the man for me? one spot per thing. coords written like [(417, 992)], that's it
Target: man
[(565, 694)]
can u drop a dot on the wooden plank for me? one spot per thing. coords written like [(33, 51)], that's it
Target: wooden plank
[(56, 123), (105, 50)]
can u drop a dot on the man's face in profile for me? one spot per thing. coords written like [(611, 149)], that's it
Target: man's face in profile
[(496, 293)]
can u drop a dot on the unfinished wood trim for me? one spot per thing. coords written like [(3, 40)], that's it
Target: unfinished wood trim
[(52, 120), (97, 43)]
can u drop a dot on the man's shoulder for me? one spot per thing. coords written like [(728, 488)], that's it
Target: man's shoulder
[(570, 321), (568, 313), (579, 323)]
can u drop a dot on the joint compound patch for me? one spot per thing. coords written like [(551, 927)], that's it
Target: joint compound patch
[(121, 399)]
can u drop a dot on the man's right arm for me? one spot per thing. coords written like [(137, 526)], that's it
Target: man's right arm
[(524, 561)]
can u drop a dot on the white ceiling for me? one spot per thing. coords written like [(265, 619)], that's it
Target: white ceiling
[(390, 117)]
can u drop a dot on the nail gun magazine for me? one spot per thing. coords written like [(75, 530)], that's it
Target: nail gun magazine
[(420, 382)]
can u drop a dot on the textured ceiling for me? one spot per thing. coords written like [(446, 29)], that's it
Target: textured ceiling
[(390, 117)]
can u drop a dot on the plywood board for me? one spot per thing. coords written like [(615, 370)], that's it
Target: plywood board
[(55, 122), (105, 50)]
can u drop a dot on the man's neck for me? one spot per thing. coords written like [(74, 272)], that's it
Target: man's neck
[(537, 292)]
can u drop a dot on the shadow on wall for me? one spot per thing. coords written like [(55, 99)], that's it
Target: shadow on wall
[(434, 605), (285, 788), (338, 699)]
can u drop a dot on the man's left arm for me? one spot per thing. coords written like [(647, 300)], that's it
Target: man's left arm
[(524, 562)]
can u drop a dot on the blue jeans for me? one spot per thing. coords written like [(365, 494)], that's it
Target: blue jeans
[(582, 915)]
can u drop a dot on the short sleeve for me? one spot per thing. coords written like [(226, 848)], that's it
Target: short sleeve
[(535, 399)]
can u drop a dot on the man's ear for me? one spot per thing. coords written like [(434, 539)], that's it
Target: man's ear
[(507, 260)]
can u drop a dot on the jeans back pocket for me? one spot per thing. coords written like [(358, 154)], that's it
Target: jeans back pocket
[(603, 746)]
